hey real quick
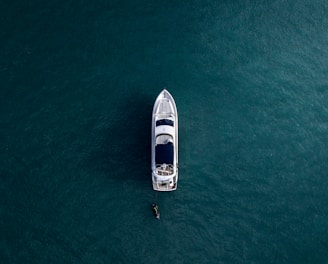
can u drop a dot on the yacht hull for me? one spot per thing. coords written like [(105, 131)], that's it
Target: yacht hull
[(164, 143)]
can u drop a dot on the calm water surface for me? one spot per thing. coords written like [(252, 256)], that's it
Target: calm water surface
[(78, 81)]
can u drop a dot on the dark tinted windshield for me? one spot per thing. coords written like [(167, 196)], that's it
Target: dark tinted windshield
[(164, 122)]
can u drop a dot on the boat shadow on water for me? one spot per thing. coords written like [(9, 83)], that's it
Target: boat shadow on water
[(122, 151)]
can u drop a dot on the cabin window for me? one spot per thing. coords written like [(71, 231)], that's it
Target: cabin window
[(164, 122)]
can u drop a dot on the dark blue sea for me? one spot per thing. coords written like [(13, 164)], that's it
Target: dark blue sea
[(78, 83)]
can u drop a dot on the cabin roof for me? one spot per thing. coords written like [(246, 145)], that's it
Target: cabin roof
[(164, 153)]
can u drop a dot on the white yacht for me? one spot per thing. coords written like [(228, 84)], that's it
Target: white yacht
[(164, 143)]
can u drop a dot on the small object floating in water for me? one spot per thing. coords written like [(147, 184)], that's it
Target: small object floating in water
[(155, 210)]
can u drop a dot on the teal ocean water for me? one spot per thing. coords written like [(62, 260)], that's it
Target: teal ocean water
[(78, 82)]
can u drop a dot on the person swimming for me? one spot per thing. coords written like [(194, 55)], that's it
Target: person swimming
[(155, 210)]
